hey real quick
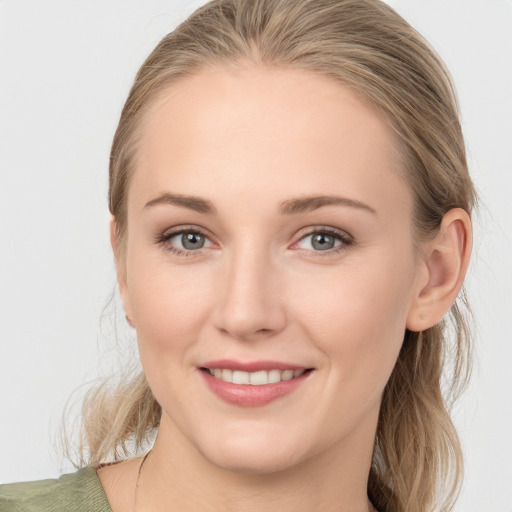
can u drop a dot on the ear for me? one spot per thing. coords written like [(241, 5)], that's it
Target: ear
[(445, 261), (121, 271)]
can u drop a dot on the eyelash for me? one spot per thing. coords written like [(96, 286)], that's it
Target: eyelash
[(165, 237), (345, 239)]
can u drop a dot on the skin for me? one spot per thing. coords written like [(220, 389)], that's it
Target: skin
[(249, 139)]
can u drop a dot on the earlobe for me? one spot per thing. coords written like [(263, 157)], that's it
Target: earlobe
[(121, 272), (446, 262)]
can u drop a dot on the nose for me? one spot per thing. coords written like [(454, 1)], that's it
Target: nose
[(250, 304)]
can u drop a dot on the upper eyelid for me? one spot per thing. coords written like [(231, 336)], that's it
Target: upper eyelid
[(170, 232), (311, 230), (307, 230)]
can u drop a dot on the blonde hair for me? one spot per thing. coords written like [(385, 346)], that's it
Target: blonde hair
[(365, 45)]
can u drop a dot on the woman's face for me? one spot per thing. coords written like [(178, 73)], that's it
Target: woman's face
[(269, 236)]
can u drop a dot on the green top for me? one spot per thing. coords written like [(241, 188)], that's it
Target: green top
[(74, 492)]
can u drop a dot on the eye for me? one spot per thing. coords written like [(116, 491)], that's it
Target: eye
[(188, 240), (324, 240), (184, 241)]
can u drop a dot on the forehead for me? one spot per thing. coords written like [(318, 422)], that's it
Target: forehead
[(252, 130)]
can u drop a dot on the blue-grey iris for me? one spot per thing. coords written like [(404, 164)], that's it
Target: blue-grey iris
[(191, 241), (322, 242)]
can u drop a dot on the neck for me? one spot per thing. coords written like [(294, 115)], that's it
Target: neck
[(175, 472)]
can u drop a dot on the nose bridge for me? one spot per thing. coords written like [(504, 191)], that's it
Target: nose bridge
[(250, 303)]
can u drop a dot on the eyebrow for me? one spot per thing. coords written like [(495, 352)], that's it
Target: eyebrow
[(191, 202), (310, 203), (288, 207)]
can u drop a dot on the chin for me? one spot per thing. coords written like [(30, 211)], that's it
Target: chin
[(253, 463), (256, 453)]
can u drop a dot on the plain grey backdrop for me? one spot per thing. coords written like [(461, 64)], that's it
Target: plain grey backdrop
[(65, 70)]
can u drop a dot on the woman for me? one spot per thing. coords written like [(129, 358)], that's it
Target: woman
[(291, 227)]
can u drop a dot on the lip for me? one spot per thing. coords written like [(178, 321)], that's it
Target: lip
[(251, 366), (246, 395)]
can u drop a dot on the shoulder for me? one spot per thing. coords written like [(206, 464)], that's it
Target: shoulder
[(75, 492)]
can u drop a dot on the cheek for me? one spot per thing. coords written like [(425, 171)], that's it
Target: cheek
[(357, 316), (169, 305)]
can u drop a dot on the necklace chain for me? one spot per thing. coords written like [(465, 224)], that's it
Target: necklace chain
[(137, 481)]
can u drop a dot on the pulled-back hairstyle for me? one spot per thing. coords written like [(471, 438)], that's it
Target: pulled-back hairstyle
[(366, 46)]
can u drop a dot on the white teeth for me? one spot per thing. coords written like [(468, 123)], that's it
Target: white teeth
[(287, 375), (274, 376), (259, 378), (227, 375), (240, 377)]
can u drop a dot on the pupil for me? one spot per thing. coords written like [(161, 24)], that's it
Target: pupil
[(192, 241), (322, 242)]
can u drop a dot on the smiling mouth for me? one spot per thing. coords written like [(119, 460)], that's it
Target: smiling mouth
[(258, 378)]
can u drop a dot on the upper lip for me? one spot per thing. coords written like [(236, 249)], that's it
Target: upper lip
[(251, 366)]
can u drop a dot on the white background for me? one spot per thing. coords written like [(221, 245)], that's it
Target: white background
[(65, 70)]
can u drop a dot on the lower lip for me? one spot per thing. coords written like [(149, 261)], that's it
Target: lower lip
[(246, 395)]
